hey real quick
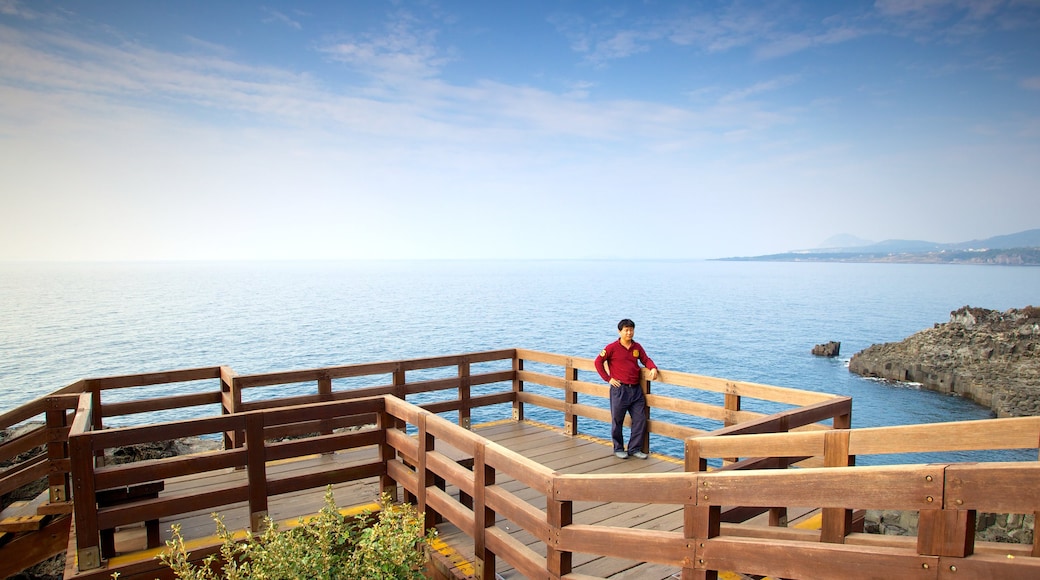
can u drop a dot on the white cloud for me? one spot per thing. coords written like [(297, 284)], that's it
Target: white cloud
[(404, 50), (277, 16)]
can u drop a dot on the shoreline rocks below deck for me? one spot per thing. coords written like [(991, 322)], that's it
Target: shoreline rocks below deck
[(988, 356)]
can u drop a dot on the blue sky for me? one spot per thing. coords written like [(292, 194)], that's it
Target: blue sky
[(538, 129)]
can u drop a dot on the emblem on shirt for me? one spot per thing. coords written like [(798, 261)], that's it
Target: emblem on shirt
[(635, 352), (603, 352)]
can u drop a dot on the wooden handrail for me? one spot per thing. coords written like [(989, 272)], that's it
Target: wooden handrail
[(992, 434)]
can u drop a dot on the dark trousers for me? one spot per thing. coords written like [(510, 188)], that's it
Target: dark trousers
[(627, 399)]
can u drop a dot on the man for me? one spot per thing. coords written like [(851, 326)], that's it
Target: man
[(618, 364)]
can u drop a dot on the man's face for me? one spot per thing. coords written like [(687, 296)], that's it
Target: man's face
[(627, 333)]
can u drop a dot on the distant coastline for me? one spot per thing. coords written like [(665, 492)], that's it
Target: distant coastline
[(1010, 257), (1019, 249)]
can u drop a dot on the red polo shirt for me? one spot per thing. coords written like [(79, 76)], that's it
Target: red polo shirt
[(623, 362)]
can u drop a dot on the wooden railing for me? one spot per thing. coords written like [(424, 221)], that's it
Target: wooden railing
[(400, 428), (257, 426), (808, 409), (947, 497)]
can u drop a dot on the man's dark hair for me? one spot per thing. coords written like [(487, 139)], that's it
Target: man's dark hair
[(625, 323)]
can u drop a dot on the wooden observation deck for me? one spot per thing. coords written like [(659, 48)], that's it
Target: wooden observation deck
[(762, 480)]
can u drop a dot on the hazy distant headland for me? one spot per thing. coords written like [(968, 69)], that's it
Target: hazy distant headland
[(1021, 249)]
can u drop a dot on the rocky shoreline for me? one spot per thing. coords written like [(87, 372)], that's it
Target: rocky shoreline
[(988, 356)]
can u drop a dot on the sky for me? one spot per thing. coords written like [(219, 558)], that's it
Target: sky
[(569, 129)]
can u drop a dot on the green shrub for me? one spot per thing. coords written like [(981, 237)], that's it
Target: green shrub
[(383, 546)]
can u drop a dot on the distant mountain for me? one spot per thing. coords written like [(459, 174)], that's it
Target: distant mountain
[(1021, 249)]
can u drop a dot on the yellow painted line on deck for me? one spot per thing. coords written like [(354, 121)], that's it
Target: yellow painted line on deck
[(812, 523), (457, 560), (492, 423)]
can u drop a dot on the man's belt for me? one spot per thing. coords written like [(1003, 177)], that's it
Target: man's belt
[(629, 385)]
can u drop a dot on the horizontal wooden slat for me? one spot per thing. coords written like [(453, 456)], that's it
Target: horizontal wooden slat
[(147, 379), (1009, 433), (449, 508), (160, 404), (171, 505), (121, 436), (23, 474), (541, 401), (543, 379), (994, 487), (685, 407), (784, 559), (313, 375), (658, 546), (407, 478), (534, 475), (762, 445), (361, 393), (12, 448), (903, 487), (406, 445), (671, 430), (989, 566), (525, 560), (160, 469), (673, 488), (450, 471), (23, 413), (462, 439), (323, 444), (518, 511), (592, 412), (319, 425), (402, 410)]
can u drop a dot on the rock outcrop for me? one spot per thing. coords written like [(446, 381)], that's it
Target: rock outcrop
[(990, 357), (831, 349)]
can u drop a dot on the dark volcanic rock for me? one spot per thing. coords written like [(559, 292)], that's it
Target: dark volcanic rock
[(830, 349), (990, 357)]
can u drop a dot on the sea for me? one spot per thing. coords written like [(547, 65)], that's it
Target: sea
[(745, 321)]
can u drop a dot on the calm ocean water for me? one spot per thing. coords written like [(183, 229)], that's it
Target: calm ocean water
[(745, 321)]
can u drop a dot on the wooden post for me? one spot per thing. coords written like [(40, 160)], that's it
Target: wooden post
[(1036, 536), (58, 482), (465, 420), (230, 403), (483, 518), (559, 514), (97, 417), (387, 454), (423, 475), (843, 421), (837, 522), (946, 532), (399, 384), (518, 387), (325, 394), (701, 521), (732, 403), (570, 398), (88, 536), (256, 469)]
